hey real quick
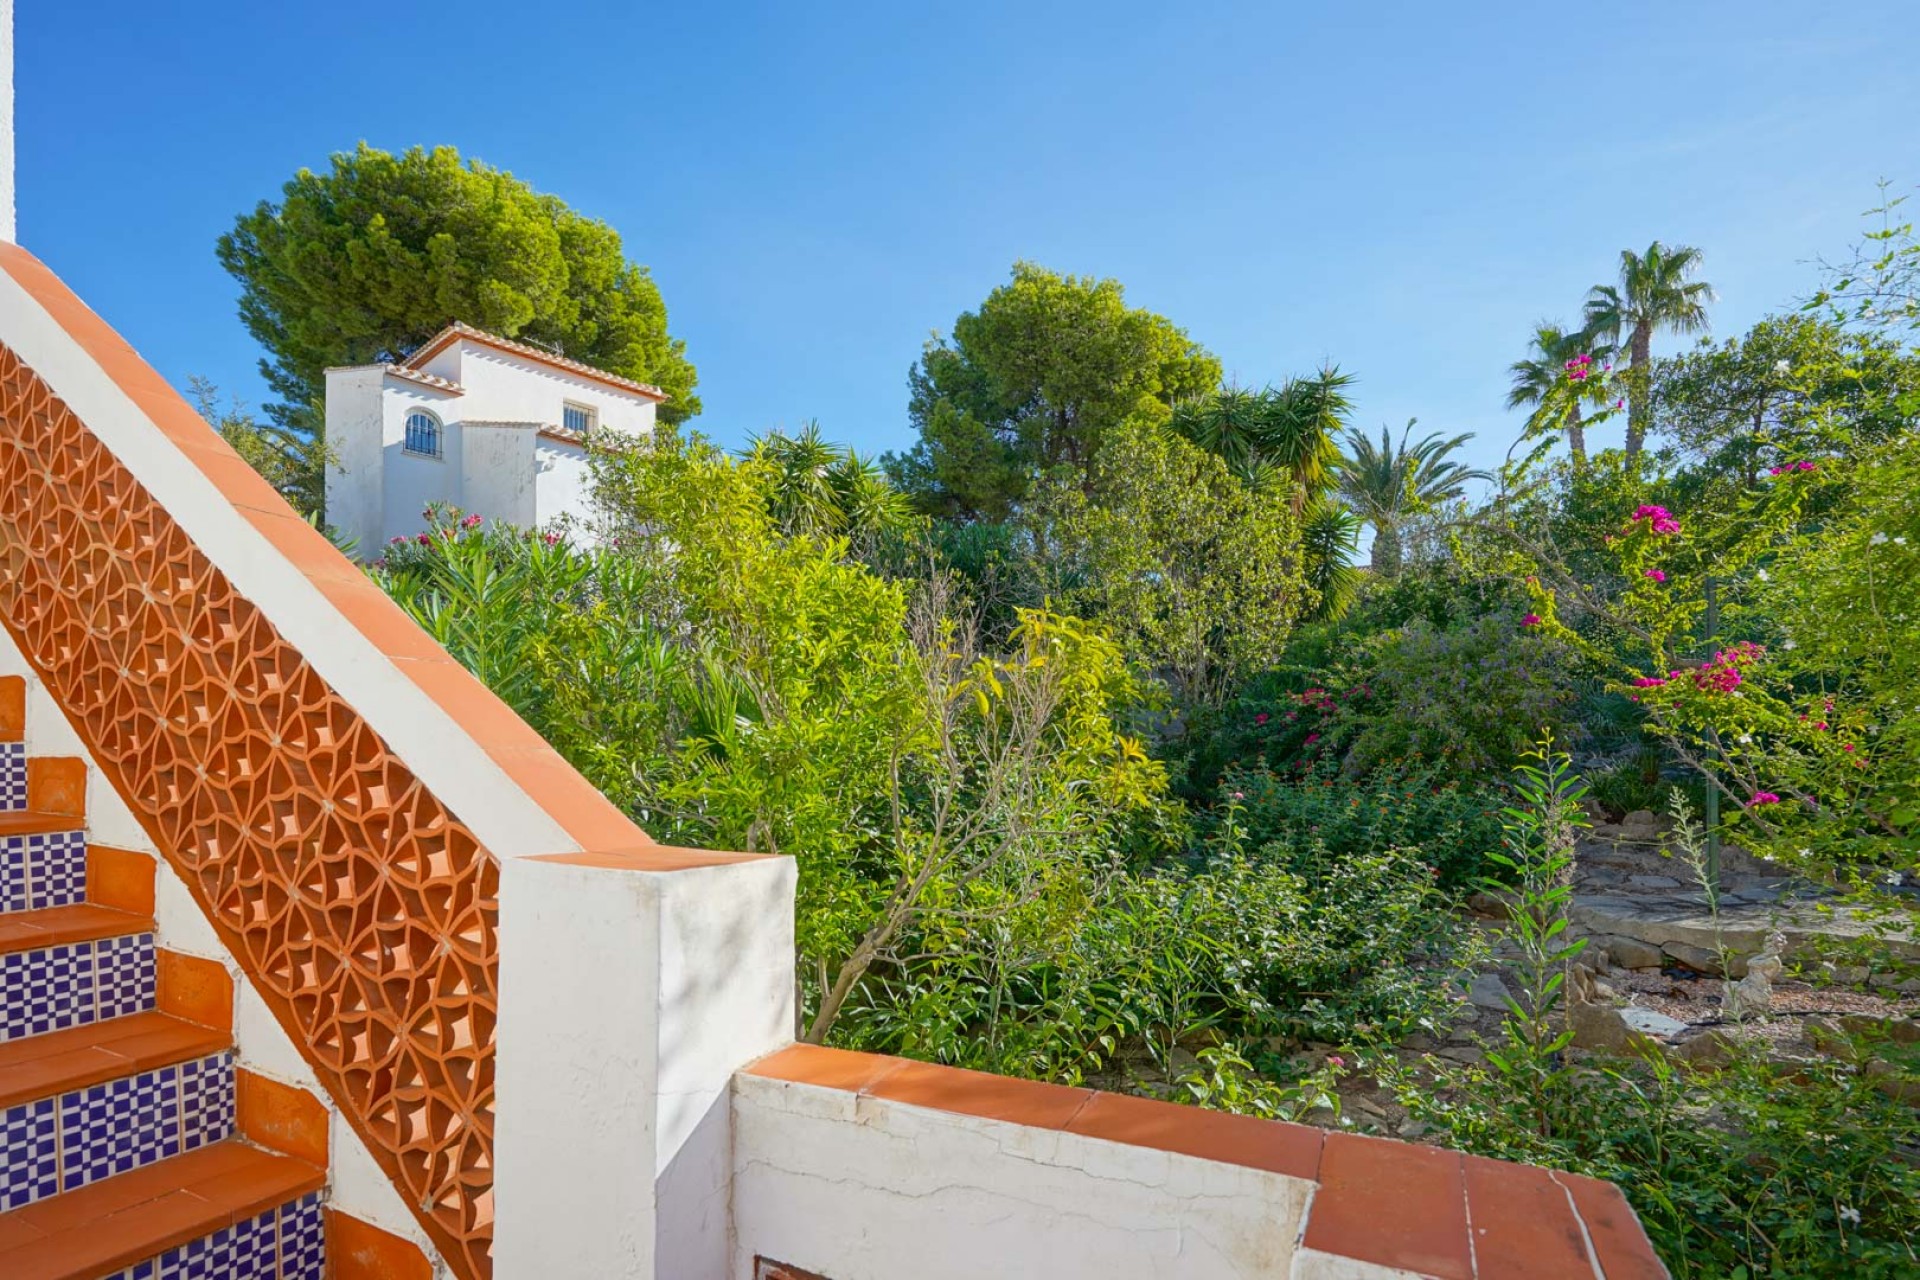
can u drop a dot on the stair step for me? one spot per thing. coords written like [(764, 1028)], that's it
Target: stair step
[(71, 984), (230, 1203), (28, 822), (61, 1061), (41, 868), (77, 922)]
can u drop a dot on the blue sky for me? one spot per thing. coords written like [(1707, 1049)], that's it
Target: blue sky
[(816, 188)]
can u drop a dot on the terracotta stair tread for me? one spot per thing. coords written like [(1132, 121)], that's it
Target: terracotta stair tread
[(81, 922), (28, 822), (112, 1224), (57, 1062)]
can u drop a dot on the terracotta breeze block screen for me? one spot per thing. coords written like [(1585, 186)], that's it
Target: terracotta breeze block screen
[(363, 911)]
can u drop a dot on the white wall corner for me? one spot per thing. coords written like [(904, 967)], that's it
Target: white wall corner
[(627, 1001)]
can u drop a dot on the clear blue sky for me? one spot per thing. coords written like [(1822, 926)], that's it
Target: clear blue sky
[(1401, 188)]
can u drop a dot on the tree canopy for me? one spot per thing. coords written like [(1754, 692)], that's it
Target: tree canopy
[(1033, 381), (366, 261)]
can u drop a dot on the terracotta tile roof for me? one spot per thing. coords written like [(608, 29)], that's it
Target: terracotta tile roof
[(446, 337), (411, 375)]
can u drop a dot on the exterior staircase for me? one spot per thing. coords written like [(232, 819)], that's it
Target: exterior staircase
[(124, 1151)]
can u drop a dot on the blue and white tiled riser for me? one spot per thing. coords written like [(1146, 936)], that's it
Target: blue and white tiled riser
[(114, 1127), (47, 869), (75, 984), (13, 776), (280, 1244)]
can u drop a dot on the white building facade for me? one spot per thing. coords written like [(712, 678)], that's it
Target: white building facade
[(496, 427)]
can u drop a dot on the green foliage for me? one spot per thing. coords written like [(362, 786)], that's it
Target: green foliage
[(1541, 382), (1390, 484), (1196, 574), (368, 260), (1450, 826), (1656, 292), (818, 489), (294, 462), (1033, 381)]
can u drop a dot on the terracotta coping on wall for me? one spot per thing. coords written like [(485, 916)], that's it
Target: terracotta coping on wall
[(358, 1250), (13, 708), (1424, 1210), (534, 766), (454, 332)]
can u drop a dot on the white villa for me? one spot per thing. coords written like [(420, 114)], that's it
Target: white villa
[(494, 426)]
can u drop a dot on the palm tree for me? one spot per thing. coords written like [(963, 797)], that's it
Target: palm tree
[(1329, 537), (1298, 429), (819, 489), (1228, 423), (1387, 484), (1541, 381), (1655, 292)]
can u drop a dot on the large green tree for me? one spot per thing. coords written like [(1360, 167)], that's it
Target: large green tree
[(1656, 292), (1031, 383), (1198, 574), (366, 261)]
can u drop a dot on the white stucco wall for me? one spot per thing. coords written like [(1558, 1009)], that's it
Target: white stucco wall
[(859, 1188), (506, 387), (356, 437), (563, 486), (627, 1001), (497, 472)]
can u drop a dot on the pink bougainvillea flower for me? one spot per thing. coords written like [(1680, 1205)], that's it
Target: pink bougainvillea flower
[(1846, 746), (1804, 466), (1619, 404), (1658, 575), (1659, 519), (1648, 682), (1531, 620), (1312, 738), (1762, 798), (1262, 718)]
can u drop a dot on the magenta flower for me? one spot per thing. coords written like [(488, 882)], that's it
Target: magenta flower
[(1648, 682), (1659, 518), (423, 540), (1531, 620), (1261, 718), (549, 538), (1762, 798), (1335, 1060), (395, 540), (1579, 367), (1619, 404), (1805, 466), (471, 522), (1657, 575), (1312, 738)]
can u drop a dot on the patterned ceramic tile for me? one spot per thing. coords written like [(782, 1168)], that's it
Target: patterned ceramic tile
[(124, 974), (118, 1126), (206, 1100), (13, 775), (29, 1153), (247, 1250), (49, 870), (303, 1236), (45, 990)]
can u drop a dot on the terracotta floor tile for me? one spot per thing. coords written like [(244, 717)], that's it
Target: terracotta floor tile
[(45, 1065), (1291, 1149), (1393, 1204), (51, 926), (976, 1093), (1523, 1223), (1625, 1252)]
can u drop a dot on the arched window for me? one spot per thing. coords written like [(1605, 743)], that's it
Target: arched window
[(423, 433)]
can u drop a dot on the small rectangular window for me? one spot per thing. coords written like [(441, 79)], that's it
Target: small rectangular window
[(577, 417)]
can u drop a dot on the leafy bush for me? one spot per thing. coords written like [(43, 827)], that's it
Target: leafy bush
[(1308, 821)]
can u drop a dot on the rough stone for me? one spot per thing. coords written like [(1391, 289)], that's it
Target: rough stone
[(1651, 1023), (1631, 953), (1898, 1030), (1471, 1055), (1653, 882), (1711, 1048), (1639, 825), (1488, 992), (1700, 959)]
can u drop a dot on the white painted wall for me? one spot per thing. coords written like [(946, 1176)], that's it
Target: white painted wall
[(7, 229), (563, 487), (497, 472), (356, 435), (860, 1188), (505, 387), (627, 1001)]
